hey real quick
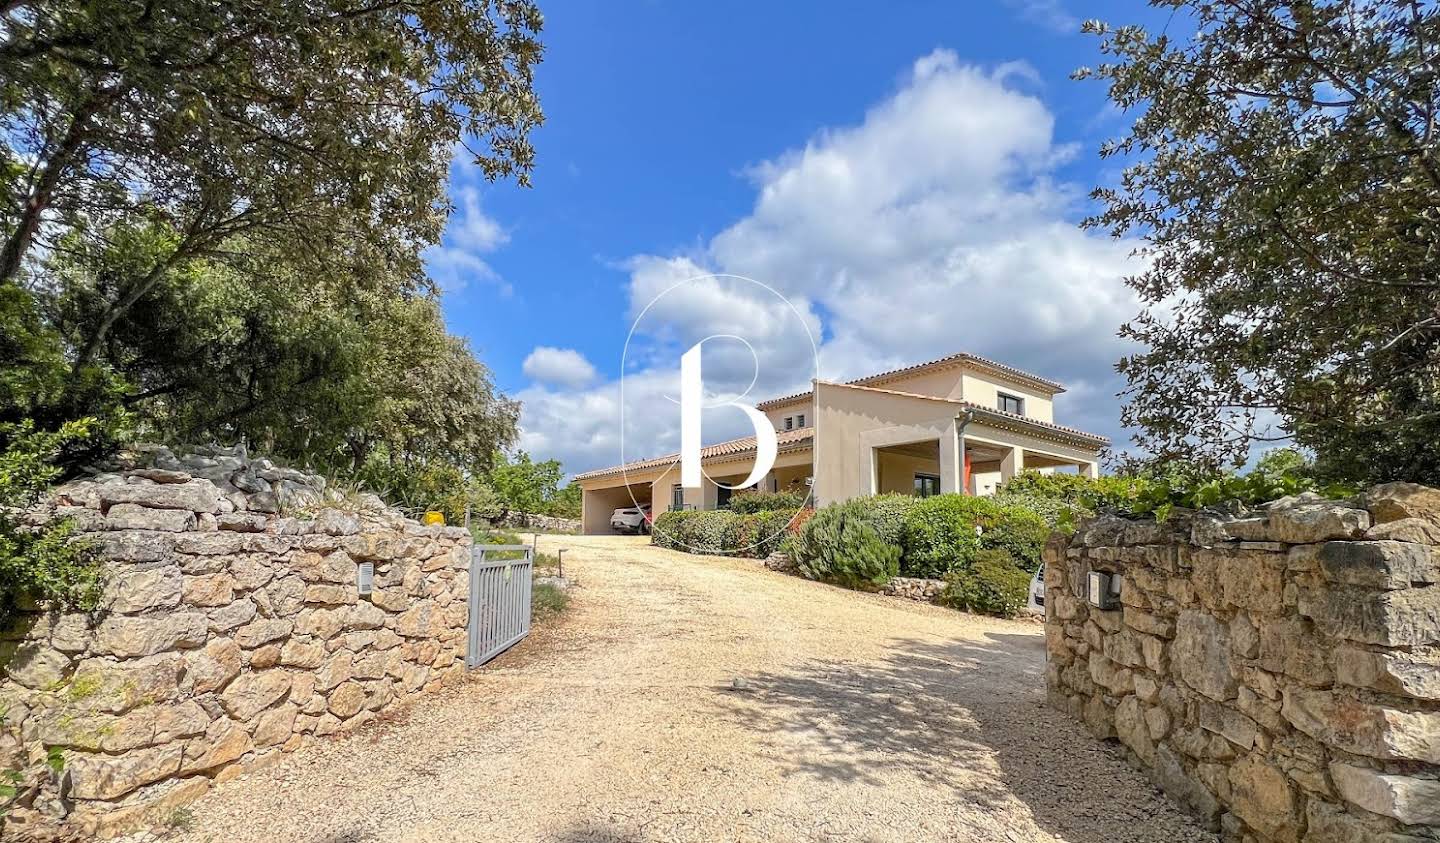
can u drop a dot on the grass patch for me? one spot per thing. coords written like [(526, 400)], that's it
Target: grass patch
[(547, 601)]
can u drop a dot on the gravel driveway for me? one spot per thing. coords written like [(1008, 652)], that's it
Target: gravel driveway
[(859, 718)]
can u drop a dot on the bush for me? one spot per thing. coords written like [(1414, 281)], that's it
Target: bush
[(721, 531), (751, 502), (993, 585), (838, 546), (44, 564), (940, 534), (1017, 530)]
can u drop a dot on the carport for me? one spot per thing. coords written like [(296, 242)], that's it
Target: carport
[(597, 504)]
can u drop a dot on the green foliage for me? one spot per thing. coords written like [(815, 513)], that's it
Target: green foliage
[(1062, 499), (523, 485), (323, 129), (722, 532), (941, 533), (1197, 487), (1284, 181), (992, 585), (884, 514), (565, 503), (43, 564), (547, 600), (748, 502), (418, 486), (839, 546)]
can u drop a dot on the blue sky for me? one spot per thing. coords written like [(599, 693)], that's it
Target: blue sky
[(909, 174)]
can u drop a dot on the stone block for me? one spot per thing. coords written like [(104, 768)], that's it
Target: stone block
[(130, 516), (229, 617), (1289, 646), (331, 595), (1384, 565), (110, 777), (1132, 730), (1170, 775), (1200, 655), (347, 700), (209, 590), (195, 495), (213, 666), (37, 665), (1394, 501), (1317, 522), (1412, 801), (303, 654), (252, 693), (1417, 530), (1415, 674), (262, 631), (1404, 618), (1364, 728), (224, 741), (1148, 623), (131, 591), (1265, 799), (275, 726), (1228, 723), (128, 637)]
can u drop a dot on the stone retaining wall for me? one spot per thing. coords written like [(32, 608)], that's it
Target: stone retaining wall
[(231, 630), (549, 523), (914, 588), (1277, 670)]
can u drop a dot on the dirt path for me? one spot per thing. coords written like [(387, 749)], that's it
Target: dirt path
[(862, 718)]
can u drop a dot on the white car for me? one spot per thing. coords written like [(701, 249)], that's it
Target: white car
[(1036, 604), (631, 519)]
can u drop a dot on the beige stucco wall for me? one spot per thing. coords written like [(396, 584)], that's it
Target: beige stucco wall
[(802, 406), (851, 423), (980, 388)]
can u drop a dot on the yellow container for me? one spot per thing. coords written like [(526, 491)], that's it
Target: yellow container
[(433, 517)]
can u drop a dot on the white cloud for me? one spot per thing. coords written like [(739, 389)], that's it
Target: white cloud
[(933, 226), (469, 235), (558, 367), (1051, 14)]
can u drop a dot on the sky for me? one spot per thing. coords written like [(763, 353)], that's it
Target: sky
[(892, 182)]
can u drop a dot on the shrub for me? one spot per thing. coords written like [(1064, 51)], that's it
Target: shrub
[(1017, 530), (940, 533), (838, 546), (992, 585), (751, 502), (45, 564), (668, 528), (547, 600)]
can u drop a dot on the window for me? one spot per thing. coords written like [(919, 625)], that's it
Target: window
[(1010, 403), (800, 420), (677, 497), (789, 422), (722, 495), (927, 485)]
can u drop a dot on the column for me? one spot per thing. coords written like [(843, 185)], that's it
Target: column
[(952, 451), (1012, 463), (1089, 469)]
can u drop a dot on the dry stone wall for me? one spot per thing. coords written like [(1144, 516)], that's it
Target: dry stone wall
[(231, 629), (1277, 669)]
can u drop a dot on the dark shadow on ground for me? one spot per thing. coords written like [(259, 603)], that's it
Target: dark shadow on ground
[(933, 706)]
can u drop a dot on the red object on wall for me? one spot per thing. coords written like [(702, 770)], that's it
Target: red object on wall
[(965, 480)]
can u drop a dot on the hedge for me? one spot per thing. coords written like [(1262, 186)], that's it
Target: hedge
[(752, 502), (722, 532)]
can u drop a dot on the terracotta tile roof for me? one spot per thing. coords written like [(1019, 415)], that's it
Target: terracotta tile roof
[(1044, 384), (787, 440)]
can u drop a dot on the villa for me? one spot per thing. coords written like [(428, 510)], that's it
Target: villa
[(958, 424)]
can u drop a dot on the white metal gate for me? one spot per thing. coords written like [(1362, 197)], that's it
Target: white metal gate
[(499, 600)]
